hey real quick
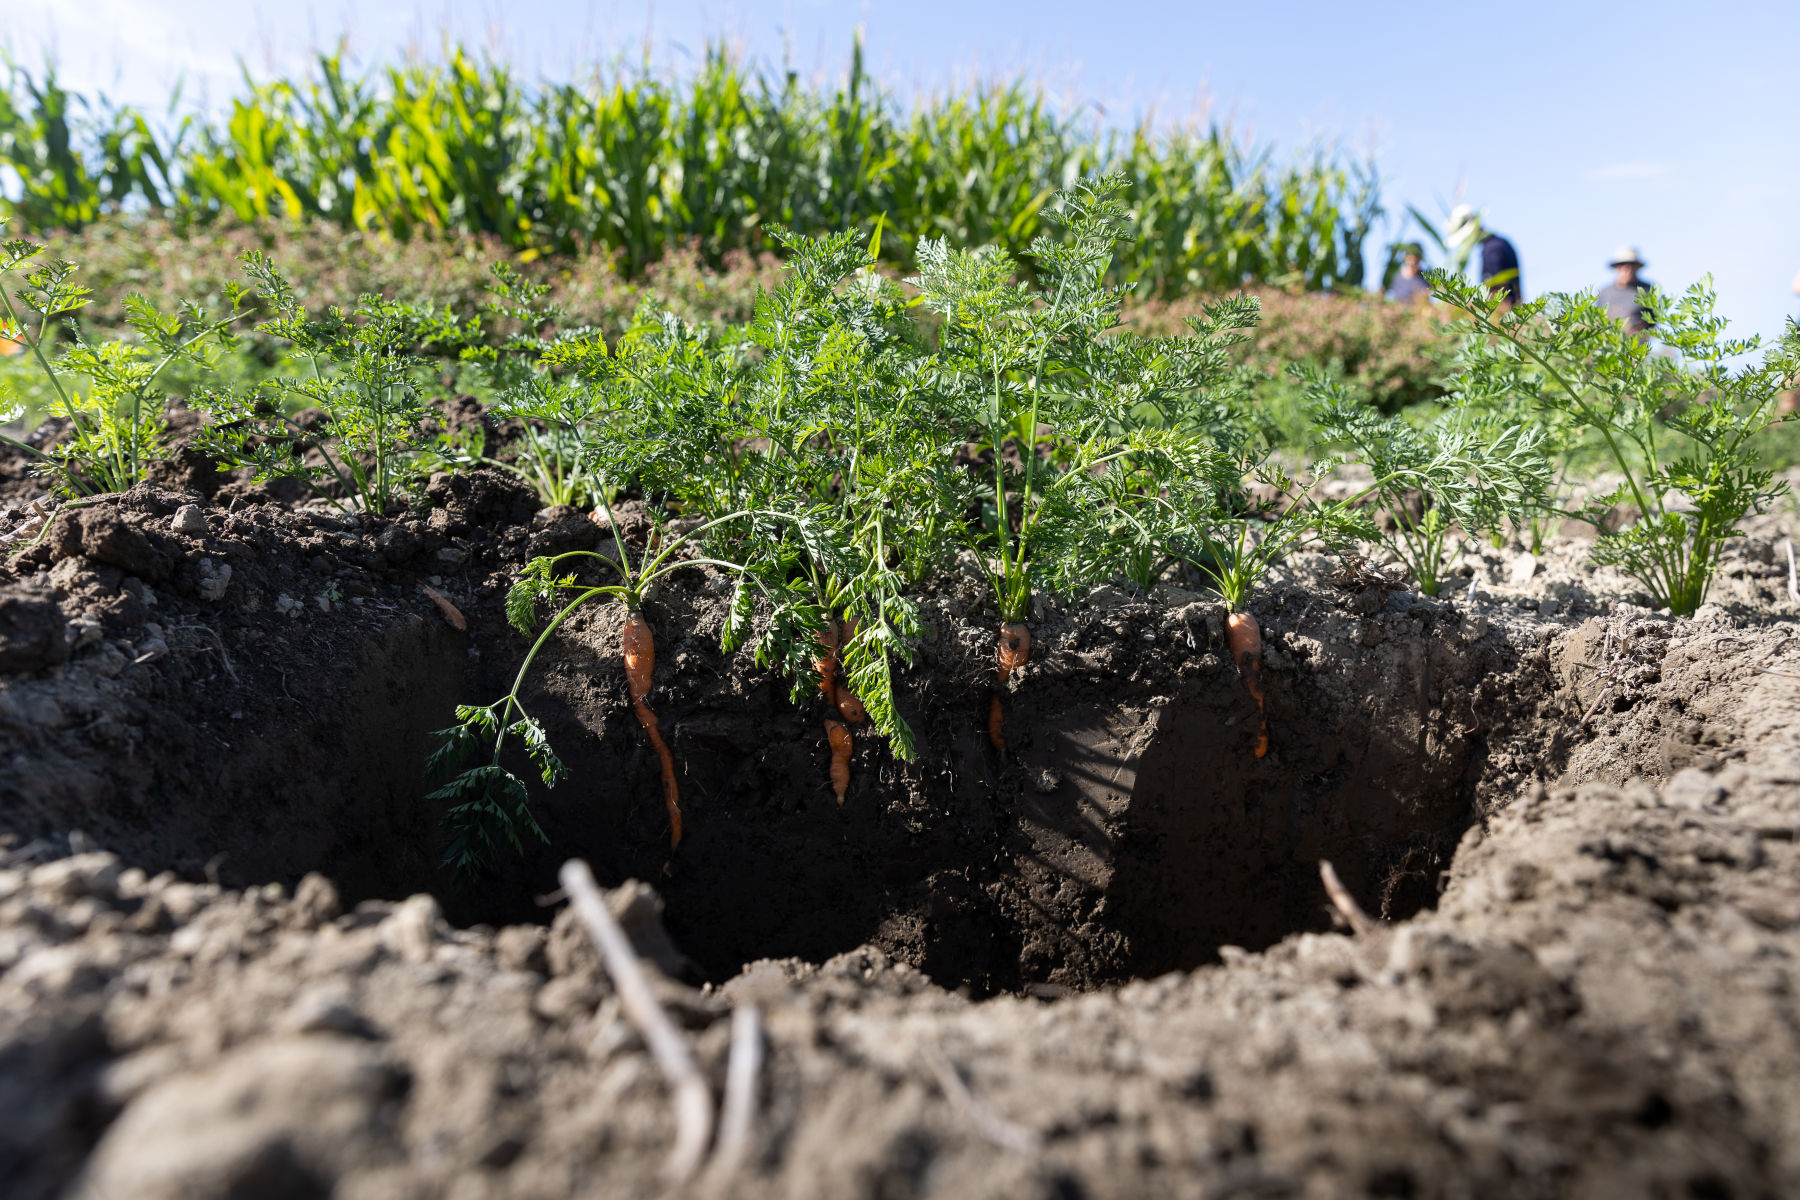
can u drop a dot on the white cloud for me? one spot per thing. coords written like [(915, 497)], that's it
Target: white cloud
[(1628, 172)]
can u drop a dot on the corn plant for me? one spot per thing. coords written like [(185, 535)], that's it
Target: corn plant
[(638, 166), (77, 157), (1681, 428)]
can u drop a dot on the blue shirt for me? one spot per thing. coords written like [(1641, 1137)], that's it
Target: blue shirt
[(1406, 288)]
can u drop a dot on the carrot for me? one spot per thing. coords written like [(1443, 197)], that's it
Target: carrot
[(639, 649), (826, 663), (850, 708), (1012, 652), (1244, 636), (450, 611), (839, 736), (1014, 649)]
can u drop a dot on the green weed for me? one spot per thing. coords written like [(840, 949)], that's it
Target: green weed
[(1683, 426)]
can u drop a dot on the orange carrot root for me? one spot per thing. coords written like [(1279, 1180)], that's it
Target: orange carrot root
[(850, 708), (671, 794), (451, 613), (1014, 649), (839, 735), (827, 662), (639, 648), (1011, 652), (1244, 636)]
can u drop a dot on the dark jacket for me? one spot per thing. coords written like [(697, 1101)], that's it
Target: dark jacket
[(1499, 258)]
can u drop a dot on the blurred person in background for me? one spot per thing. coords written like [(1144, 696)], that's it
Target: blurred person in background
[(1790, 400), (1623, 297), (1409, 286), (1499, 260)]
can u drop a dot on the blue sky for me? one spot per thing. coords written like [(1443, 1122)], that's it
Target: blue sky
[(1575, 125)]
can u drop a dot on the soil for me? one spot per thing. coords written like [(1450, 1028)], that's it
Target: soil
[(1099, 962)]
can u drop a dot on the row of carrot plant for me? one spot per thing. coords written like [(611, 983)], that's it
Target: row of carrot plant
[(856, 436)]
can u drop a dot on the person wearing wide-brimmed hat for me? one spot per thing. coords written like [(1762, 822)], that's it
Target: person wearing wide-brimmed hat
[(1499, 260), (1623, 298)]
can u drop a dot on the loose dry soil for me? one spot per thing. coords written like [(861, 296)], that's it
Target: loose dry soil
[(1099, 963)]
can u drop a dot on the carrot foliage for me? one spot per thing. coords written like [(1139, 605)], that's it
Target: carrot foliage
[(1679, 422), (824, 460)]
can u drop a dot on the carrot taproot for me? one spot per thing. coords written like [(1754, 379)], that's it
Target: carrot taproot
[(1014, 649), (1011, 652), (850, 708), (639, 648), (838, 734), (827, 661), (451, 613), (1244, 636)]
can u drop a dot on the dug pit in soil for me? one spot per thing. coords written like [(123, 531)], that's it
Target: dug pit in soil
[(277, 723), (1599, 1002)]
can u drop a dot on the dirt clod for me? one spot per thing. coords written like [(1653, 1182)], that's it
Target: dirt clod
[(31, 632)]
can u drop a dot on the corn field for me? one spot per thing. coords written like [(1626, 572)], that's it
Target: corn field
[(635, 166)]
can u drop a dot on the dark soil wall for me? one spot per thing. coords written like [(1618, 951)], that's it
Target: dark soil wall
[(1126, 829)]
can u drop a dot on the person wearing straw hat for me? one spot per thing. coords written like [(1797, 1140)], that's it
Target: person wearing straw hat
[(1623, 298), (1499, 260)]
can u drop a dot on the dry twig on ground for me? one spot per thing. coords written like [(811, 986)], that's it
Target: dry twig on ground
[(737, 1114), (1359, 921), (693, 1099), (987, 1122)]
